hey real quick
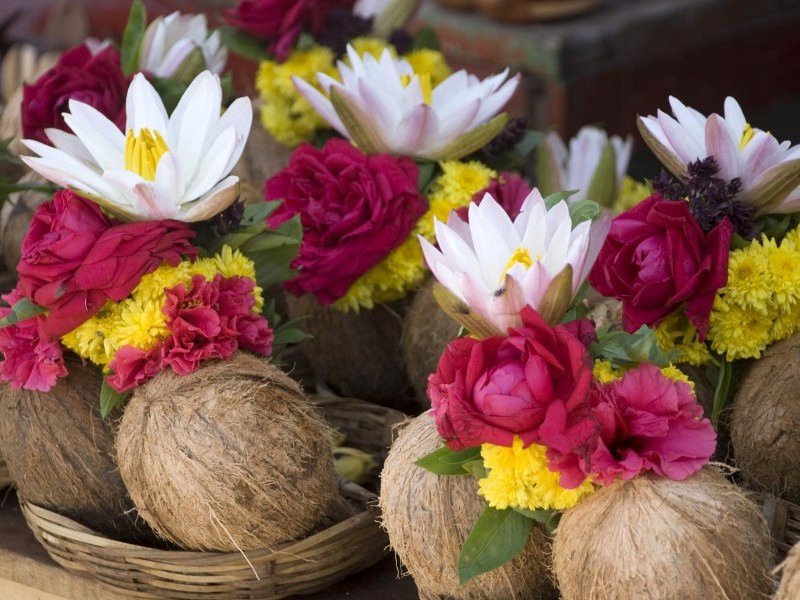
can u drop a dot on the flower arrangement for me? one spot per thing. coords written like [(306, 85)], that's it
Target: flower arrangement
[(708, 259), (532, 401)]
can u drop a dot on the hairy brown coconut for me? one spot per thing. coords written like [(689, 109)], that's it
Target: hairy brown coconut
[(5, 477), (428, 518), (356, 353), (60, 453), (262, 158), (657, 539), (426, 332), (765, 421), (231, 457), (790, 581)]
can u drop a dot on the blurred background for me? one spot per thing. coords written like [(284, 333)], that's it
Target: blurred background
[(585, 61)]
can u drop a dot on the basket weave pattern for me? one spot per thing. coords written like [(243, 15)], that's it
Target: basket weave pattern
[(783, 519), (304, 566)]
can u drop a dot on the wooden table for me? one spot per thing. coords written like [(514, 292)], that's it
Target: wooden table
[(628, 56), (27, 573)]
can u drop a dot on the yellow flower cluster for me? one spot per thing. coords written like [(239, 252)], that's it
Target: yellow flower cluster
[(604, 372), (761, 302), (289, 117), (404, 269), (631, 193), (518, 477), (676, 332), (138, 320)]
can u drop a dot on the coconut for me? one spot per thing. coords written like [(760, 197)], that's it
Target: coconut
[(658, 539), (428, 518), (356, 353), (15, 219), (231, 457), (765, 421), (426, 332), (60, 452), (790, 582)]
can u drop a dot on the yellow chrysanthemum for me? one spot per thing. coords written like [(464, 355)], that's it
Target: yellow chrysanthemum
[(604, 372), (371, 45), (784, 276), (676, 332), (430, 62), (738, 332), (631, 193), (285, 113), (786, 323), (748, 279), (139, 320), (518, 477)]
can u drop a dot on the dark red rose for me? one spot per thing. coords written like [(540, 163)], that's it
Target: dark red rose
[(657, 259), (74, 258), (489, 390), (282, 21), (355, 209), (96, 79), (509, 190)]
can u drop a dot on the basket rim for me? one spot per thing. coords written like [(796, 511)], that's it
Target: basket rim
[(49, 521)]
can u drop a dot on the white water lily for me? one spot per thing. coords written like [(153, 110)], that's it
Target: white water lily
[(163, 167), (594, 164), (170, 41), (383, 106), (387, 15), (497, 266), (769, 170)]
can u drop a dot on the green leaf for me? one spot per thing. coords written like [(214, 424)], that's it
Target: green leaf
[(603, 186), (548, 179), (476, 468), (427, 173), (305, 42), (549, 518), (629, 349), (244, 45), (132, 37), (498, 536), (190, 67), (23, 310), (445, 461), (583, 210), (256, 212), (111, 399), (425, 38), (169, 90), (552, 199), (721, 391)]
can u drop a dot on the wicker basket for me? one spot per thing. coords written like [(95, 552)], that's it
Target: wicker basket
[(783, 519), (300, 567)]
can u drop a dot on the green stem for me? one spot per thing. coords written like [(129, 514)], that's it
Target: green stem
[(721, 391)]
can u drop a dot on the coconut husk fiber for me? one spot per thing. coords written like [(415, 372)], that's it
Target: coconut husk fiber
[(790, 582), (765, 421), (428, 518), (231, 457), (60, 453), (357, 354), (657, 539), (15, 219), (426, 332)]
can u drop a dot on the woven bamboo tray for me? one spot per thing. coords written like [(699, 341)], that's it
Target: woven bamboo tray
[(300, 567), (783, 519)]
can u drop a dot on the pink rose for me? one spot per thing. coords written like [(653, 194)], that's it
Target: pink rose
[(489, 390), (95, 79), (74, 258), (657, 259), (355, 209)]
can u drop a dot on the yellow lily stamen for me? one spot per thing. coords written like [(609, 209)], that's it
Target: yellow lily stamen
[(143, 151), (747, 135), (424, 83), (521, 256)]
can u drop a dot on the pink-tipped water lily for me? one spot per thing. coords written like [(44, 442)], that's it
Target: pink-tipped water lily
[(497, 266), (593, 166), (161, 167), (181, 42), (769, 170), (384, 107)]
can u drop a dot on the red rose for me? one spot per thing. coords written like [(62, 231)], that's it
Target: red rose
[(509, 190), (656, 259), (355, 209), (74, 258), (282, 21), (488, 391), (96, 79)]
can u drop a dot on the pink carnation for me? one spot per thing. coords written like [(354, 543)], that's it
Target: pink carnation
[(131, 367), (32, 361)]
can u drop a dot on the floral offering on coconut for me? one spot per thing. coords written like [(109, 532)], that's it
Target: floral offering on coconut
[(537, 405), (709, 259), (144, 262)]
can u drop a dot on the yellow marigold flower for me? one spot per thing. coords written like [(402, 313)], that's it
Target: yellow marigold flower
[(792, 239), (431, 62), (631, 193), (749, 284), (676, 332), (454, 188), (739, 332), (519, 478), (787, 322), (784, 276), (88, 339), (604, 372), (285, 113), (371, 45), (675, 374)]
